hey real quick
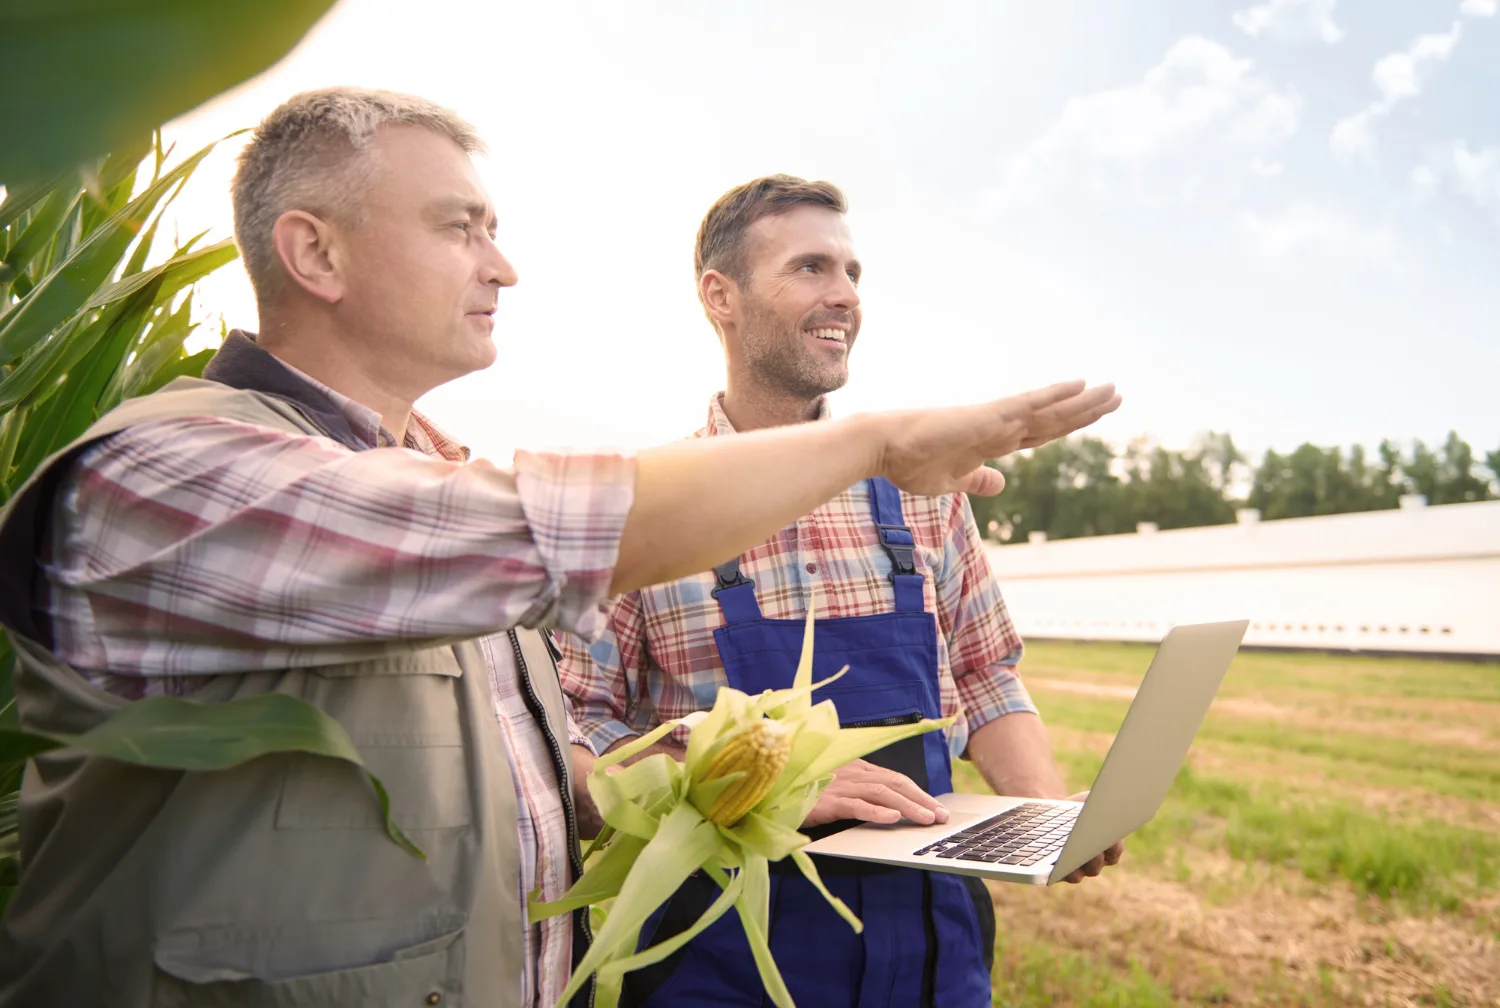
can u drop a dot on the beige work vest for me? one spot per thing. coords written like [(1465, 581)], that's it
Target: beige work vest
[(272, 883)]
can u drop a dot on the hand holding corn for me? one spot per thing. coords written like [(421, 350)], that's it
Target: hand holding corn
[(754, 768)]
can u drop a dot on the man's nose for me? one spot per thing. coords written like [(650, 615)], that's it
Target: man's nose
[(843, 295), (497, 269)]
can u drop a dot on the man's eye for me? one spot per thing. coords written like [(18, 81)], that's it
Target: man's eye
[(853, 278), (461, 226), (810, 267)]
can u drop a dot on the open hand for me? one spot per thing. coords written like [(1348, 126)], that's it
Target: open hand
[(937, 451)]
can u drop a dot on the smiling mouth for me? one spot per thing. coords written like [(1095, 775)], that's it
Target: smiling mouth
[(831, 335)]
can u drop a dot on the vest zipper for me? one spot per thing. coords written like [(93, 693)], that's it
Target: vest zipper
[(575, 857)]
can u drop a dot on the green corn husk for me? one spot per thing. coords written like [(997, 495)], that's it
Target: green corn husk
[(658, 828)]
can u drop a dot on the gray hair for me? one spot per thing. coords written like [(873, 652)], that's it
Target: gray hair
[(316, 153)]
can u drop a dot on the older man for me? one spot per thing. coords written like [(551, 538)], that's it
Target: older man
[(907, 601), (291, 525)]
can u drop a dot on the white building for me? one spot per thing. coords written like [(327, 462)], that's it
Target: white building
[(1423, 579)]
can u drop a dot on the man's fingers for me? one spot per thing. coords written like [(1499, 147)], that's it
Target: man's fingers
[(1086, 870), (1040, 399), (1077, 411), (854, 808), (984, 481), (907, 788), (1113, 855), (889, 797)]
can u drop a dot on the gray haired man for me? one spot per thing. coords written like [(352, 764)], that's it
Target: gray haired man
[(290, 524)]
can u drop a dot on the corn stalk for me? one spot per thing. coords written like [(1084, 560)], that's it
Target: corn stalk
[(731, 807)]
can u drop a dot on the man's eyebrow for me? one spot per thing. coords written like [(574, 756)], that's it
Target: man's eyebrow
[(475, 210), (823, 259)]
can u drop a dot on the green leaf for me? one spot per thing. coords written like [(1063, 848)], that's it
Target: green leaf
[(754, 908), (19, 200), (612, 974), (810, 872), (72, 284), (98, 74), (41, 229), (139, 293), (600, 881), (172, 733), (182, 367), (684, 841)]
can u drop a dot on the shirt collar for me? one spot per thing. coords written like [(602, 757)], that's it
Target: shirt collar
[(242, 364), (718, 420)]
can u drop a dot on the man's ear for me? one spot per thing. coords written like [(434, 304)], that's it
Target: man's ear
[(306, 247), (720, 296)]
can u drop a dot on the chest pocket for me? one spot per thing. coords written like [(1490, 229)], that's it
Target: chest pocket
[(407, 715)]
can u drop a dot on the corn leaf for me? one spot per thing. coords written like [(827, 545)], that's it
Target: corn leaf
[(172, 733), (754, 908), (100, 73), (612, 974), (684, 841), (810, 872), (71, 284), (188, 367)]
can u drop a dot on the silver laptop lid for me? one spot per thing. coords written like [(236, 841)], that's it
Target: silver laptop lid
[(1153, 741)]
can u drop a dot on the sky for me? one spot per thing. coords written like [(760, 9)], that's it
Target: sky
[(1277, 219)]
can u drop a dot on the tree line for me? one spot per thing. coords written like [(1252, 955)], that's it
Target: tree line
[(1083, 486)]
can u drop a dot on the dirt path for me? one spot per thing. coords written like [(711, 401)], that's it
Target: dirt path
[(1279, 942)]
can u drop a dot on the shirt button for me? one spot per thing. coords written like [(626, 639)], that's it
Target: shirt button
[(433, 998), (812, 568)]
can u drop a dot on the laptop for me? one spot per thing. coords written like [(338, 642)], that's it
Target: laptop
[(1039, 842)]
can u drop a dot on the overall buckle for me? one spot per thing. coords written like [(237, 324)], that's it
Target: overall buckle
[(897, 540)]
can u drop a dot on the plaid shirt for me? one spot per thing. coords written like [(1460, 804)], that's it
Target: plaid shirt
[(657, 660), (206, 546)]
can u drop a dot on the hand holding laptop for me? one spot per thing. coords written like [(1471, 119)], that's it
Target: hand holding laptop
[(1039, 841), (1110, 857)]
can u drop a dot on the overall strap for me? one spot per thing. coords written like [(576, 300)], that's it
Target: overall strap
[(735, 593), (898, 542)]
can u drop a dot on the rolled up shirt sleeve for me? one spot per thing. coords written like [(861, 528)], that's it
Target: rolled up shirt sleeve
[(984, 648), (200, 546), (599, 678)]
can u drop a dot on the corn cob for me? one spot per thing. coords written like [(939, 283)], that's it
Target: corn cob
[(760, 750)]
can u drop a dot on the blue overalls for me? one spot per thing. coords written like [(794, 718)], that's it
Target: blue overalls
[(928, 938)]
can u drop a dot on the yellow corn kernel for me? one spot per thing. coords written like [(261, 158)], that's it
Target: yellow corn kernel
[(761, 751)]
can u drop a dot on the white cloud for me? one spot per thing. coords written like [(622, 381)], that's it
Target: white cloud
[(1293, 20), (1314, 228), (1398, 76), (1480, 8), (1477, 175), (1424, 182), (1353, 137), (1200, 101)]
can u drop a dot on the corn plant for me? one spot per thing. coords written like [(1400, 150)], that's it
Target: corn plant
[(85, 323), (754, 768)]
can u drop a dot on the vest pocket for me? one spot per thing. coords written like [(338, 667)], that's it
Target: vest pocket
[(422, 976), (427, 786)]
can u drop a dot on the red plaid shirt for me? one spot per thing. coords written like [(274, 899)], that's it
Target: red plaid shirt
[(656, 659)]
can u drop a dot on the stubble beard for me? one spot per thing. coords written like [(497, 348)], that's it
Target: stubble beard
[(775, 355)]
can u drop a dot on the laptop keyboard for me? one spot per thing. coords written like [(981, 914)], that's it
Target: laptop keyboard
[(1022, 835)]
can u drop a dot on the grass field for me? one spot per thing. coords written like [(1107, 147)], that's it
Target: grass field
[(1334, 840)]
